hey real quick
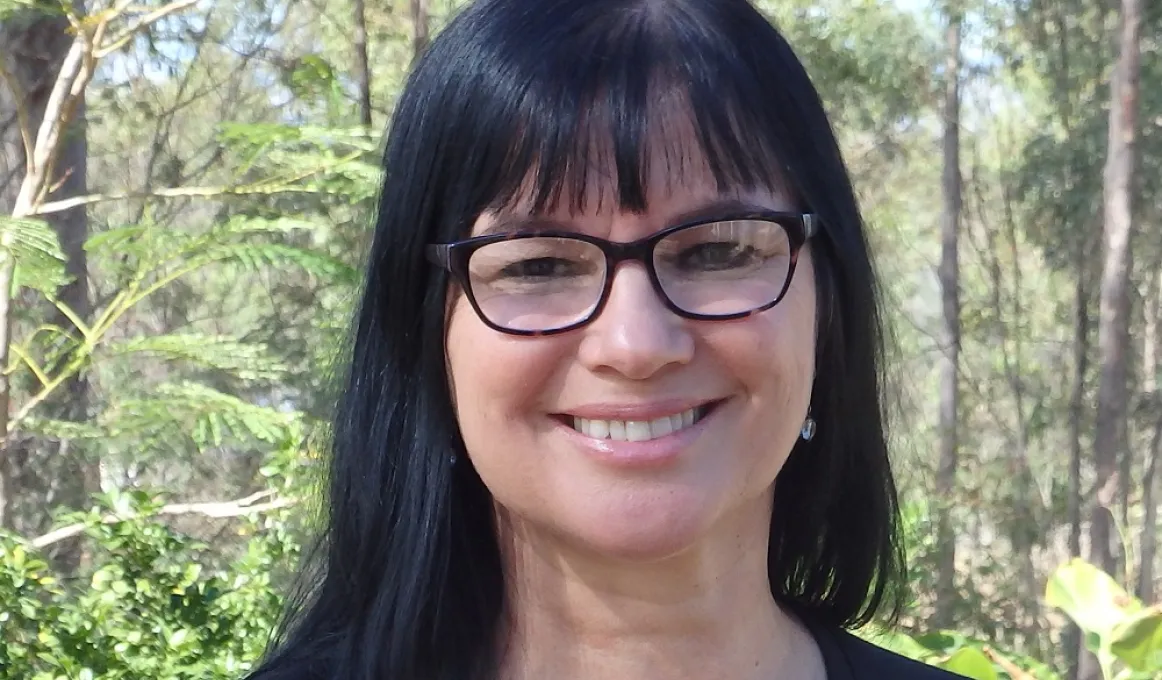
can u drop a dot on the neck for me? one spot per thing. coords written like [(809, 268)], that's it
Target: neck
[(706, 613)]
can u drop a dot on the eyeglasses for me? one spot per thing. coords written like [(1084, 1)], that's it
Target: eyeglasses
[(546, 282)]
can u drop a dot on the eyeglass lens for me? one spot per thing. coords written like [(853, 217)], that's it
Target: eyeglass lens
[(541, 283)]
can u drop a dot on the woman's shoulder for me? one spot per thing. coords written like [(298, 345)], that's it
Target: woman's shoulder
[(849, 657), (872, 661), (291, 671)]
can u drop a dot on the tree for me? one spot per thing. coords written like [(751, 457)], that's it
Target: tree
[(420, 27), (38, 42), (362, 67), (1113, 328), (950, 338)]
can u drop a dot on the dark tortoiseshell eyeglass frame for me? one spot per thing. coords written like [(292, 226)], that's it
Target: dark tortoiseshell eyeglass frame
[(454, 257)]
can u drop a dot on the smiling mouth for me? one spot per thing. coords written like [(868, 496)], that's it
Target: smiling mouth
[(639, 430)]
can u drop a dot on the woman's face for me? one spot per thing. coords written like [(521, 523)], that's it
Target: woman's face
[(517, 399)]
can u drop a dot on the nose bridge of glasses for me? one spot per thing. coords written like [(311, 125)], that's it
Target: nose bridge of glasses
[(645, 290), (618, 252)]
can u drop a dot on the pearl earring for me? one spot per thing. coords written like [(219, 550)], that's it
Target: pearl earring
[(808, 431)]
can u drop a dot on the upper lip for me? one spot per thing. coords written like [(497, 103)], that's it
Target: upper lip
[(636, 411)]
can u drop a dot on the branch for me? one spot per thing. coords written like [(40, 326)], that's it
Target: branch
[(125, 36), (278, 186), (217, 509), (54, 120), (175, 192), (1009, 667), (22, 119)]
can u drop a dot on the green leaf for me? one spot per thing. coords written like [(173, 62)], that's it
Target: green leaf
[(115, 238), (971, 662), (259, 255), (1090, 597), (1137, 640), (36, 250), (178, 637), (10, 7), (62, 429), (175, 412), (900, 643), (248, 361)]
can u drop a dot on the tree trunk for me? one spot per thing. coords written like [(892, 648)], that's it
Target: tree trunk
[(362, 67), (420, 27), (1148, 539), (1077, 414), (1110, 435), (57, 473), (950, 362), (75, 474)]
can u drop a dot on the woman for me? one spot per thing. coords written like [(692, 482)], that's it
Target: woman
[(613, 408)]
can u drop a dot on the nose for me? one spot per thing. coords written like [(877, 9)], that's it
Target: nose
[(635, 334)]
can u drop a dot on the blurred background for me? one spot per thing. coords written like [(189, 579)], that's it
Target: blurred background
[(187, 190)]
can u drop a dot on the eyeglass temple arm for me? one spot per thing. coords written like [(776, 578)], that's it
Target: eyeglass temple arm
[(810, 225), (440, 255)]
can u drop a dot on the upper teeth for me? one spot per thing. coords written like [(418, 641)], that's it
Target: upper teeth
[(635, 430)]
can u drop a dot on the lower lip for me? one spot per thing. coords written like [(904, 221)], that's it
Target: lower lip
[(647, 454)]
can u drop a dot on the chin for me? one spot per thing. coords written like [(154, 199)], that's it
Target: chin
[(640, 532)]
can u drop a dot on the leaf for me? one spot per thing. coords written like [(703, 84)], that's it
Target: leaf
[(1090, 597), (36, 250), (249, 361), (61, 429), (900, 643), (971, 662), (10, 7), (179, 636), (259, 255), (118, 240), (1137, 640), (176, 412)]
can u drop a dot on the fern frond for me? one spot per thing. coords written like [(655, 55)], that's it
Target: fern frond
[(270, 134), (34, 247), (199, 412), (119, 240), (245, 225), (259, 255), (10, 7), (61, 429), (248, 361)]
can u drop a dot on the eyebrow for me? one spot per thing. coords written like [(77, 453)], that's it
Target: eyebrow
[(715, 208)]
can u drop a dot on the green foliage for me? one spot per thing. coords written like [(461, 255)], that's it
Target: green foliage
[(962, 654), (36, 251), (10, 8), (152, 607), (1125, 634)]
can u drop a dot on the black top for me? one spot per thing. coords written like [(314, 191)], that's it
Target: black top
[(848, 657), (845, 656)]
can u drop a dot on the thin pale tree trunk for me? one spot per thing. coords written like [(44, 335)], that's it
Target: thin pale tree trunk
[(1148, 538), (362, 66), (37, 46), (950, 340), (1113, 327), (1077, 415), (420, 27)]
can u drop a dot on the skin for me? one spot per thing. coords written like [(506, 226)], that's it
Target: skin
[(653, 573)]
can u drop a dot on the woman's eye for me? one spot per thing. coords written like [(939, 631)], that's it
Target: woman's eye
[(717, 255), (540, 268)]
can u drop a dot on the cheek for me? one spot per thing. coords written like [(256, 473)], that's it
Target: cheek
[(773, 353), (496, 380), (771, 356)]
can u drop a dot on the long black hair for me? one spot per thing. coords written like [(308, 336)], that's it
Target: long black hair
[(510, 98)]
